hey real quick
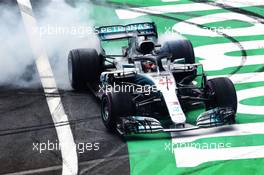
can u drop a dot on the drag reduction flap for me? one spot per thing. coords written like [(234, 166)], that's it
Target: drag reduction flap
[(125, 31)]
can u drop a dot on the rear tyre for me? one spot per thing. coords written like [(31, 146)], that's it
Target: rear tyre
[(84, 66), (221, 93), (179, 49), (114, 106)]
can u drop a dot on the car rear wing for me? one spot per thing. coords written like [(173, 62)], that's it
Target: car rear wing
[(125, 31)]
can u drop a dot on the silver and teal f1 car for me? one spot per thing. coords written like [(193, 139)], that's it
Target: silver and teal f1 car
[(150, 87)]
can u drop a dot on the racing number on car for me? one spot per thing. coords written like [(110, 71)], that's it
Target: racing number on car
[(165, 81)]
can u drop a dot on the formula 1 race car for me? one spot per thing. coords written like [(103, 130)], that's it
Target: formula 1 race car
[(149, 87)]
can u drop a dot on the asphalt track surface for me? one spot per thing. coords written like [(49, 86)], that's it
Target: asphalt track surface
[(21, 108), (25, 120)]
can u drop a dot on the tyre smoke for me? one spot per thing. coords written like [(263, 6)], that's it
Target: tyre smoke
[(16, 62), (61, 26)]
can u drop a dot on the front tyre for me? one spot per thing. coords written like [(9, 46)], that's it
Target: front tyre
[(221, 93), (114, 106)]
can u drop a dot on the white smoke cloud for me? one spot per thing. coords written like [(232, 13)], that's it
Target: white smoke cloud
[(62, 27), (15, 53)]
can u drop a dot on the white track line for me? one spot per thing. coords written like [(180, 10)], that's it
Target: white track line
[(207, 155), (58, 167), (179, 8), (251, 77), (200, 156), (222, 131), (37, 171), (68, 147)]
